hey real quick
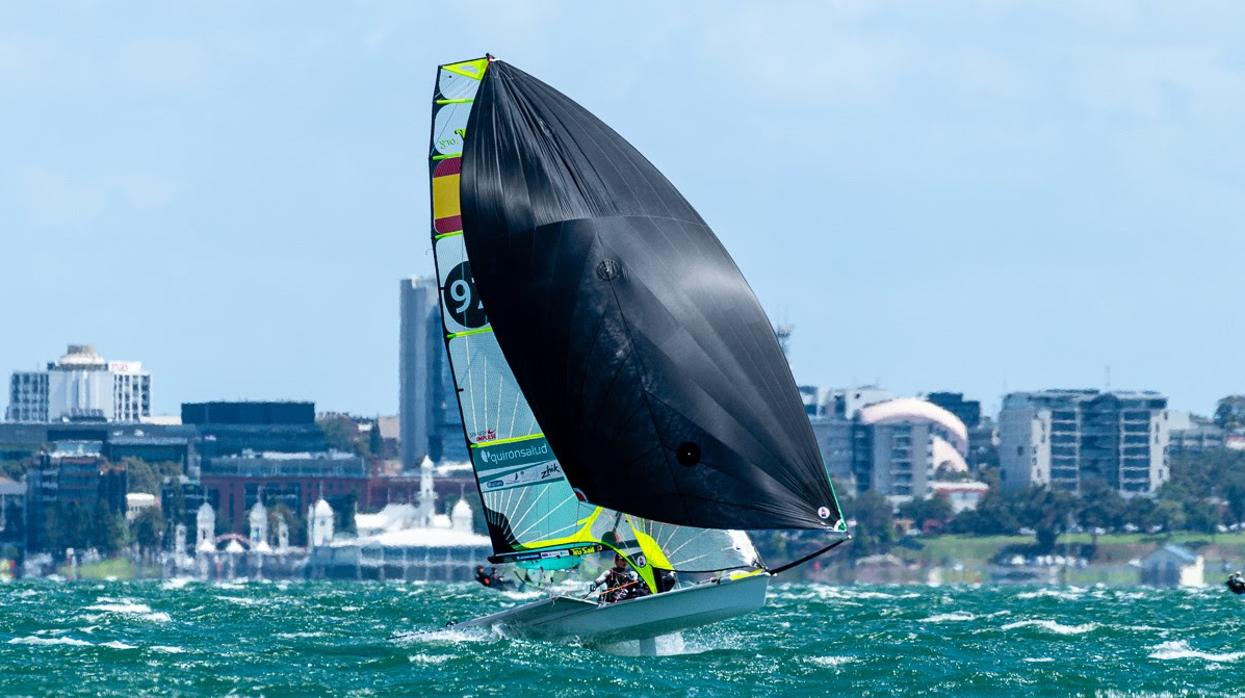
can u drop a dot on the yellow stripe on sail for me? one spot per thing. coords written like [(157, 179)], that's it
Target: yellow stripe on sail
[(445, 201)]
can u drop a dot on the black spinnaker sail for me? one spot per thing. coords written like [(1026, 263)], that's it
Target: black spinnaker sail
[(646, 358)]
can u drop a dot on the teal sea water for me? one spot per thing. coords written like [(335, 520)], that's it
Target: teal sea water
[(296, 639)]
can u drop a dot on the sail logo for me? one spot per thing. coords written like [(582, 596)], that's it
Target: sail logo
[(513, 455)]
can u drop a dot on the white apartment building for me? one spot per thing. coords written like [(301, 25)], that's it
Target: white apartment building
[(81, 385)]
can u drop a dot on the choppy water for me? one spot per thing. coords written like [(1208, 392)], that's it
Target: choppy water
[(381, 639)]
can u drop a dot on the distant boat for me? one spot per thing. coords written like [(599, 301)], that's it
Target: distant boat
[(621, 389)]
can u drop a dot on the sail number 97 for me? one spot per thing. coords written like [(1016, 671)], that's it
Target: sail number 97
[(461, 298)]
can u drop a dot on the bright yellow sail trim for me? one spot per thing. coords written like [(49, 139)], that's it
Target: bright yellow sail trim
[(583, 535), (473, 69), (652, 551)]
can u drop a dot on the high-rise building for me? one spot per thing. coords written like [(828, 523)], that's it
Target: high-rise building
[(894, 447), (430, 424), (81, 386), (1062, 438), (968, 411)]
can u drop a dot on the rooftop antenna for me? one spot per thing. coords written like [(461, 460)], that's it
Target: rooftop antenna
[(1107, 386)]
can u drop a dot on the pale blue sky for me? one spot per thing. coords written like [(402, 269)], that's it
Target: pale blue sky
[(971, 196)]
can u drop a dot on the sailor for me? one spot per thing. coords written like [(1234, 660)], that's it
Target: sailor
[(483, 577), (619, 581), (1236, 583), (488, 577)]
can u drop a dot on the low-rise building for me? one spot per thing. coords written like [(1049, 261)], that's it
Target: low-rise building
[(963, 495), (1173, 566), (1191, 434), (232, 484)]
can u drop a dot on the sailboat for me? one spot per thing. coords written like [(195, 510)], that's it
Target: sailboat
[(622, 391)]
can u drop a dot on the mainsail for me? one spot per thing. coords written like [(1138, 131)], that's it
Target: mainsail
[(641, 350), (534, 517)]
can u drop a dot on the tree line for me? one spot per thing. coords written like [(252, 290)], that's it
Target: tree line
[(1205, 494)]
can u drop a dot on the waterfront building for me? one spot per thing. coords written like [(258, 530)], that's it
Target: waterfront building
[(896, 447), (1061, 438), (1191, 434), (967, 411), (229, 428), (847, 402), (430, 425), (12, 514), (962, 495), (1173, 566), (902, 446), (232, 484), (138, 502), (81, 385), (1230, 412), (71, 473), (409, 541)]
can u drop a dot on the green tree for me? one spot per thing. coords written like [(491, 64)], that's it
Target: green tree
[(342, 434), (875, 526), (147, 529), (110, 533), (144, 476), (1100, 506), (1170, 515), (936, 509)]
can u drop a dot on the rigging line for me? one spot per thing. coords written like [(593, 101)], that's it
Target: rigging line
[(783, 568)]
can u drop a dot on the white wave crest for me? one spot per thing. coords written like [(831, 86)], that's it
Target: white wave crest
[(1052, 626), (130, 608), (949, 617), (1069, 594), (1179, 649), (168, 649), (422, 658), (34, 640), (831, 661), (117, 645)]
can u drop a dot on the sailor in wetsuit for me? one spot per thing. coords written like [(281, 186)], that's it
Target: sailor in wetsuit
[(620, 582), (490, 578)]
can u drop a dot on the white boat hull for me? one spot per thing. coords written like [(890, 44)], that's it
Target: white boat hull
[(568, 617)]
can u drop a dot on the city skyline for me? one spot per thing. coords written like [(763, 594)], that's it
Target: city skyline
[(229, 199)]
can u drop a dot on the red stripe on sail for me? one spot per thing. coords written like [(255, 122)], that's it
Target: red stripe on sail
[(449, 224), (447, 167)]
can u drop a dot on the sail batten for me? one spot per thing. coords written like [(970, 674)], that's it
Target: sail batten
[(640, 348)]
